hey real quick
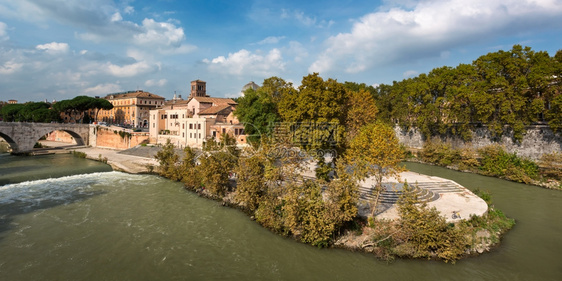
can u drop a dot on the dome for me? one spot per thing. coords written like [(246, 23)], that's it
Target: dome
[(250, 85)]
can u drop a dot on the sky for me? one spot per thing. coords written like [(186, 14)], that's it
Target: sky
[(59, 49)]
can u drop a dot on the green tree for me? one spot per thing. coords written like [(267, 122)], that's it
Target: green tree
[(188, 169), (100, 104), (251, 185), (258, 109), (214, 170), (168, 161), (362, 110), (341, 196), (314, 116), (375, 152), (426, 233), (11, 112)]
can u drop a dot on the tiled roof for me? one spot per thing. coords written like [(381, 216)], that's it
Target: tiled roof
[(178, 103), (132, 94), (215, 109), (215, 100)]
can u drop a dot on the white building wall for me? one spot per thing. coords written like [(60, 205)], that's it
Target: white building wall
[(183, 131)]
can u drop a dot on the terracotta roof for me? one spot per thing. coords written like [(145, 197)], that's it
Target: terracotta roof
[(132, 94), (216, 101), (178, 103), (215, 109)]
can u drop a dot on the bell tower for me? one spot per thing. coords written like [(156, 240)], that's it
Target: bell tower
[(198, 89)]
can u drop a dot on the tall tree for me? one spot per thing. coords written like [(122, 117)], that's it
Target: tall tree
[(375, 152), (251, 186), (315, 115), (362, 110), (257, 109)]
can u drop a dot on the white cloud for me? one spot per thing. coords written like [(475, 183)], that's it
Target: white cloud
[(271, 40), (116, 17), (3, 33), (152, 82), (102, 21), (245, 62), (302, 18), (129, 70), (103, 89), (129, 10), (410, 73), (297, 50), (430, 29), (53, 48), (10, 67), (157, 33)]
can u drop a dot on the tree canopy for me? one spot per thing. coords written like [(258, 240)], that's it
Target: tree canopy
[(79, 105), (29, 112), (504, 90)]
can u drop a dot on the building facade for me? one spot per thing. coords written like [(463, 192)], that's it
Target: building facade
[(130, 108), (195, 120)]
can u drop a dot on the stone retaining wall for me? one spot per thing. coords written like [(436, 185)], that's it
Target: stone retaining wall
[(110, 137), (538, 140)]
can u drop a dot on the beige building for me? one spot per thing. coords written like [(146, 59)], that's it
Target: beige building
[(195, 120), (130, 108)]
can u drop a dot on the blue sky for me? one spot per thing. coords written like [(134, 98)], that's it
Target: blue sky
[(58, 49)]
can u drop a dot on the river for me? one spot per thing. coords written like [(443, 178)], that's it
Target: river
[(97, 224)]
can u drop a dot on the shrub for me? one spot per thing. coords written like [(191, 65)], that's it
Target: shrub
[(440, 153), (468, 159), (426, 232), (79, 154), (551, 165), (497, 162)]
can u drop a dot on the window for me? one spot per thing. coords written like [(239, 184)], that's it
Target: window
[(182, 135), (190, 126), (199, 126), (183, 126), (153, 125), (190, 135), (199, 135)]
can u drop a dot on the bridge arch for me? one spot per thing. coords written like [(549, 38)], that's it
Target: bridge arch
[(23, 136), (75, 136), (13, 145)]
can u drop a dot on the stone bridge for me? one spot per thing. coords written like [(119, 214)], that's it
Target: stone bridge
[(23, 136)]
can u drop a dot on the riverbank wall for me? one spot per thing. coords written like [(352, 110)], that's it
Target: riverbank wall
[(116, 137), (538, 140), (119, 161)]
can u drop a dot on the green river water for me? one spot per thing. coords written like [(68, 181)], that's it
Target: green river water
[(83, 221)]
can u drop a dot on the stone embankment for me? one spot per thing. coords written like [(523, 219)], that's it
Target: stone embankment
[(447, 196), (120, 161), (136, 160)]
